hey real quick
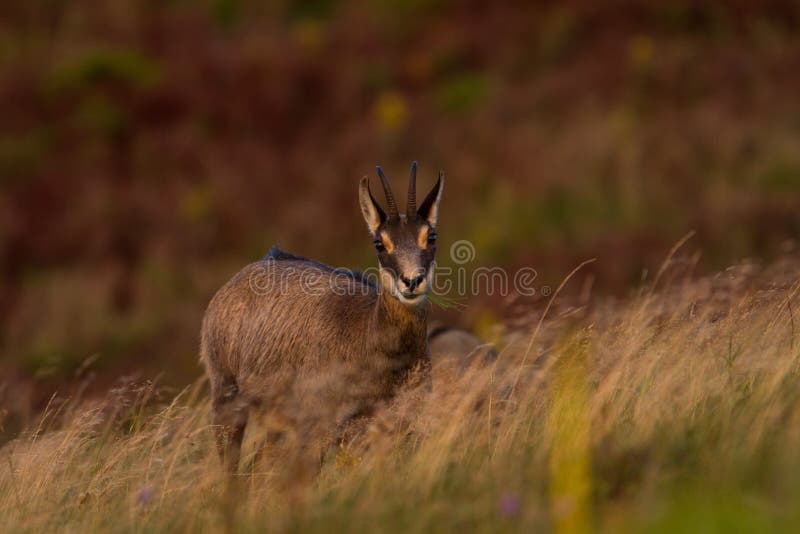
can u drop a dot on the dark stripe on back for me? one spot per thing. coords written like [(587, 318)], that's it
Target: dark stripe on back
[(276, 254)]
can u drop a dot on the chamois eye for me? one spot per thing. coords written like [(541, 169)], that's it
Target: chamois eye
[(379, 246), (432, 238)]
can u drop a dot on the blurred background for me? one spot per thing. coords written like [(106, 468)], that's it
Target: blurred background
[(149, 149)]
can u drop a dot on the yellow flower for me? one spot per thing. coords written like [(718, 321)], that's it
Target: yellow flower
[(391, 111), (641, 51)]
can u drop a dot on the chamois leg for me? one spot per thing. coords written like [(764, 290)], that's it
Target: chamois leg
[(230, 420), (268, 443)]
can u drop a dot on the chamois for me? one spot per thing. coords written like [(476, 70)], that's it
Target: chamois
[(458, 349), (288, 331)]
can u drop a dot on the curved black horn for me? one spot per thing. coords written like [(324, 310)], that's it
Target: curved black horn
[(387, 189), (411, 207)]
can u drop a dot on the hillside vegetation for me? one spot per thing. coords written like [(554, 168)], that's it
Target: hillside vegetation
[(150, 149), (674, 410)]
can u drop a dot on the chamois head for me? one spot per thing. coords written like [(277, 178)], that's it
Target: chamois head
[(405, 243)]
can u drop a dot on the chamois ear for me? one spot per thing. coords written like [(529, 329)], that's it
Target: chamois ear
[(372, 212), (429, 209)]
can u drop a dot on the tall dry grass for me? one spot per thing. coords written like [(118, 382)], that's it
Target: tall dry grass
[(677, 409)]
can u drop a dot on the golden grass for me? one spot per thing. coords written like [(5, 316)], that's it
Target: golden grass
[(678, 409)]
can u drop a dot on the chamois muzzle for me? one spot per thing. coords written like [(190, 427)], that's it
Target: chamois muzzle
[(411, 284)]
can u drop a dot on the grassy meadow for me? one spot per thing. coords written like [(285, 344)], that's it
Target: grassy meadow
[(676, 409), (150, 149)]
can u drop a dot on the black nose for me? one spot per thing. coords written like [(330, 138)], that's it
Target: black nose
[(412, 283)]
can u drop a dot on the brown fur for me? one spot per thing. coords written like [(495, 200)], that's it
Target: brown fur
[(458, 349), (312, 345)]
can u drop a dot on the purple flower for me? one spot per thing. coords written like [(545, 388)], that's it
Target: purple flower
[(508, 505), (145, 494)]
